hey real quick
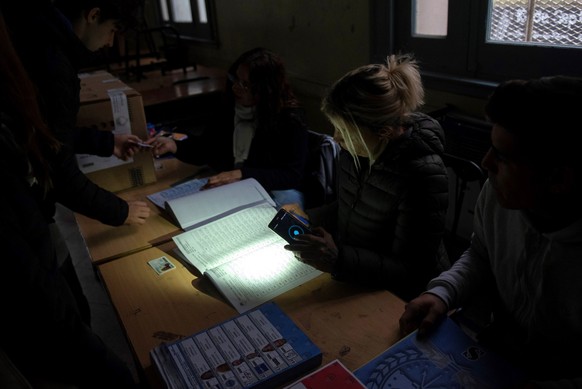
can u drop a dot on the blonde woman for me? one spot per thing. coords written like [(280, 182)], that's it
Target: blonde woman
[(387, 225)]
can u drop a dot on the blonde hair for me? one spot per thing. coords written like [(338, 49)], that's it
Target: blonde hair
[(376, 97)]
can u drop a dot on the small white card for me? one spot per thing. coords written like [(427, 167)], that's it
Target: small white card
[(161, 265)]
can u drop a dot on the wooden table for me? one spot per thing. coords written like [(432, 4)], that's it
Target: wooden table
[(157, 88), (106, 243), (347, 322)]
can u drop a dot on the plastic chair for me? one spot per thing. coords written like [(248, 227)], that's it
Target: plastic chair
[(465, 171), (321, 179), (467, 139)]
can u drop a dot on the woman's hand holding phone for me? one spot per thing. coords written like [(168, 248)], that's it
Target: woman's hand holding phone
[(317, 249), (314, 247), (288, 226)]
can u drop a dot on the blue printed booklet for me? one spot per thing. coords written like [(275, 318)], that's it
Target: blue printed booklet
[(449, 358), (262, 348), (184, 189)]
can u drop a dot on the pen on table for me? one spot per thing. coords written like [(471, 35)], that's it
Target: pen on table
[(304, 220), (141, 144), (166, 133)]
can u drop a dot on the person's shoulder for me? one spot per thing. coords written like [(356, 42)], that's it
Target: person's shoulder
[(293, 116), (426, 135), (422, 119), (427, 126), (421, 156), (293, 112)]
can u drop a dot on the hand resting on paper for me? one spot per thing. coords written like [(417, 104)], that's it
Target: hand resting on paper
[(138, 212), (424, 312), (223, 178), (317, 249)]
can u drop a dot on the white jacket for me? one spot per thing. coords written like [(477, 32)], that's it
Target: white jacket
[(538, 277)]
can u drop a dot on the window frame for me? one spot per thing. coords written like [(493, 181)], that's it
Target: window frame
[(193, 31), (463, 62)]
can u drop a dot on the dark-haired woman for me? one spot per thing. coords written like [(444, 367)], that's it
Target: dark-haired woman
[(262, 136)]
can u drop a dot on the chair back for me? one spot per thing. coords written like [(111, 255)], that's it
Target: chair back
[(467, 139), (320, 185)]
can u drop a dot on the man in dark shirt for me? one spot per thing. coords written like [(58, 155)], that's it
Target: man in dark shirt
[(58, 40), (54, 40)]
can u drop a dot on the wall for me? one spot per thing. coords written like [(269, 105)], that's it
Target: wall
[(319, 41)]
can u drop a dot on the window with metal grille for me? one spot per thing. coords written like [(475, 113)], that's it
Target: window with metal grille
[(550, 22), (468, 46)]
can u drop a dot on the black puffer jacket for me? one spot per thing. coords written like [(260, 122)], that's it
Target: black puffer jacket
[(389, 221)]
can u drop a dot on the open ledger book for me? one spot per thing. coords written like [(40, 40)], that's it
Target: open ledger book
[(183, 189), (234, 247), (191, 207)]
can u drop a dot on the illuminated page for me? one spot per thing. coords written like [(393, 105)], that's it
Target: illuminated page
[(258, 277), (228, 238), (211, 204), (244, 258)]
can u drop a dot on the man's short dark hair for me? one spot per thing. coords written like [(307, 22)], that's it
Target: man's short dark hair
[(544, 114), (126, 12)]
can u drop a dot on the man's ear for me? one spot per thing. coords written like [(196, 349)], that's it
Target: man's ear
[(562, 180), (92, 16)]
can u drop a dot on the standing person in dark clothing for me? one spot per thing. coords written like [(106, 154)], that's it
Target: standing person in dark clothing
[(42, 331), (386, 228), (53, 48), (264, 135), (58, 40)]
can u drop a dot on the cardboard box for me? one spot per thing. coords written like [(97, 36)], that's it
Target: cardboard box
[(109, 105)]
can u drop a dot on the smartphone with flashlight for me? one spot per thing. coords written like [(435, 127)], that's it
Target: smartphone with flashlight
[(288, 226)]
